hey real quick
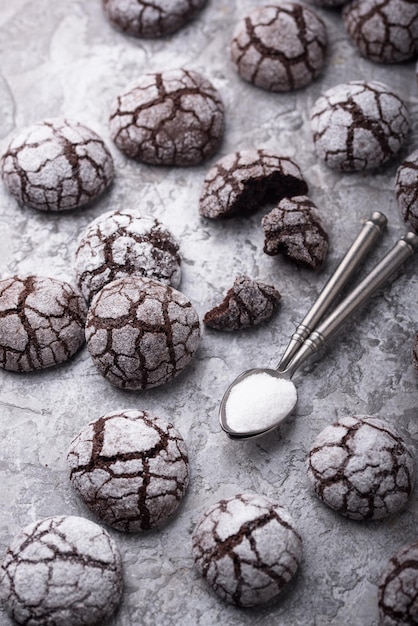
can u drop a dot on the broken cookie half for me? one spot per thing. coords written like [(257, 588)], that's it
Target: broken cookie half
[(247, 303)]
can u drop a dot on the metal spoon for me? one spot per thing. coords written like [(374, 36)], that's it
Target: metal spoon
[(402, 250)]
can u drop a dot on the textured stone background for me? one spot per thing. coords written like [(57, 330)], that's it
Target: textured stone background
[(63, 58)]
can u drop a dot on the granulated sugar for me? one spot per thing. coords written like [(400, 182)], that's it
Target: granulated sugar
[(259, 402)]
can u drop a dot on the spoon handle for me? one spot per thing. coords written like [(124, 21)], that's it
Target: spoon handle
[(402, 250), (361, 246)]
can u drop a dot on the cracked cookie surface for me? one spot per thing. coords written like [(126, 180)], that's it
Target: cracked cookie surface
[(130, 468), (294, 228), (242, 182), (247, 548), (247, 303), (61, 570), (175, 117), (279, 47), (406, 188), (398, 588), (56, 165), (358, 125), (361, 467), (41, 322), (124, 243), (384, 31), (151, 19), (141, 333)]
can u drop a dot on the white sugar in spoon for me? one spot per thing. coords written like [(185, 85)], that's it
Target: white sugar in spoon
[(261, 398)]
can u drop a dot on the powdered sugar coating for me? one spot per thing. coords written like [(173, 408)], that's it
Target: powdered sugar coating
[(130, 468), (241, 182), (294, 228), (279, 47), (57, 165), (385, 31), (151, 19), (398, 588), (141, 333), (175, 117), (247, 548), (406, 187), (247, 303), (124, 243), (359, 125), (61, 570), (41, 322), (361, 467)]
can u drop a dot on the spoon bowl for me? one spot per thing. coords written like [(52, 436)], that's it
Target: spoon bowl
[(256, 402)]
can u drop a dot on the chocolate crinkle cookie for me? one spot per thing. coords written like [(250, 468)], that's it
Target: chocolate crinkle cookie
[(406, 187), (362, 468), (242, 182), (125, 243), (359, 125), (398, 588), (279, 47), (247, 548), (294, 228), (41, 322), (130, 468), (174, 117), (151, 19), (141, 333), (247, 303), (384, 31), (61, 570), (328, 3), (56, 165)]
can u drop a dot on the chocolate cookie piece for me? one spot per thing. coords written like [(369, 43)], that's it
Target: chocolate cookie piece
[(242, 182), (175, 117), (247, 303), (41, 322), (415, 352), (141, 333), (358, 125), (361, 467), (294, 228), (151, 20), (61, 570), (385, 31), (125, 243), (406, 187), (247, 548), (398, 588), (56, 165), (130, 468), (279, 47)]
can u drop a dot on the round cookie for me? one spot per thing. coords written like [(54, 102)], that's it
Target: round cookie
[(130, 468), (358, 125), (175, 117), (384, 31), (398, 588), (56, 165), (151, 20), (247, 548), (248, 303), (41, 322), (279, 47), (295, 229), (361, 467), (61, 570), (141, 333), (406, 188), (125, 243), (242, 182)]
